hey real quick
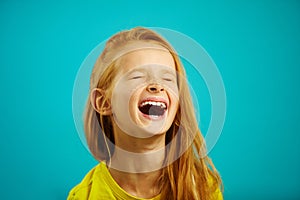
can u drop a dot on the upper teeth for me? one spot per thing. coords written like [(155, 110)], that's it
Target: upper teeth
[(154, 103)]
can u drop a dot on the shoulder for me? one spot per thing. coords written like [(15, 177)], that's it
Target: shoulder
[(213, 184), (82, 190), (218, 194)]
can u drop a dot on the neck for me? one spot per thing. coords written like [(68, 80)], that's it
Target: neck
[(131, 162), (138, 155), (136, 164), (142, 185)]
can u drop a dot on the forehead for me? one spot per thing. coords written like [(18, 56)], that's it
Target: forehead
[(147, 57)]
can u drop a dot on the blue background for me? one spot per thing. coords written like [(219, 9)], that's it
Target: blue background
[(255, 45)]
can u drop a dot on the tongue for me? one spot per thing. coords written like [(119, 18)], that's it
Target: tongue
[(152, 110)]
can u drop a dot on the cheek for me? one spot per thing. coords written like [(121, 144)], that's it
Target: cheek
[(120, 98), (125, 98), (132, 106), (174, 102), (122, 90), (173, 94), (134, 98)]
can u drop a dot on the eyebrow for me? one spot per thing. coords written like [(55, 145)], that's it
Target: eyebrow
[(169, 71), (135, 70)]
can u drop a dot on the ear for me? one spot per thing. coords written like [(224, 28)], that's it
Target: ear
[(99, 102)]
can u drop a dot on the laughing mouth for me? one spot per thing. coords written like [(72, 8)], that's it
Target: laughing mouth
[(153, 108)]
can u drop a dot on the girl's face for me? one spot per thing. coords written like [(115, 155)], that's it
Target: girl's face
[(145, 97)]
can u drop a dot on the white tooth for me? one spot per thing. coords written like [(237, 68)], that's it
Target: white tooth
[(161, 104), (153, 103)]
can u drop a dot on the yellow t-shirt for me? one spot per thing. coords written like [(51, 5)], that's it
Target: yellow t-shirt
[(98, 184)]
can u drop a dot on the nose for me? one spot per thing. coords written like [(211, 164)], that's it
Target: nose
[(155, 88)]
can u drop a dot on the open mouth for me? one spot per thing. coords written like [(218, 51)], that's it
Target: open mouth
[(152, 109)]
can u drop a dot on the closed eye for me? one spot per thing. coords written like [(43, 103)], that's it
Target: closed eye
[(137, 77), (167, 79)]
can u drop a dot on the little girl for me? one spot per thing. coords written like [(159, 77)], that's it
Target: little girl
[(140, 124)]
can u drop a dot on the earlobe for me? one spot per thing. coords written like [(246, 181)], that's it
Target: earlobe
[(99, 102)]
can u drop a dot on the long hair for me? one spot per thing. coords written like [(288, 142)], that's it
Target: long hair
[(192, 176)]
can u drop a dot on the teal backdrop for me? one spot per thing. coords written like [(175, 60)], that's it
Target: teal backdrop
[(255, 45)]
